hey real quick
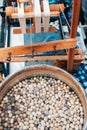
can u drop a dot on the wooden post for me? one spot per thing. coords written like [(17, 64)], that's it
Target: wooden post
[(73, 32)]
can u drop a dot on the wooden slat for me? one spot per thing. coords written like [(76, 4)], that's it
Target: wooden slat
[(31, 14), (32, 30), (37, 48), (10, 10), (77, 58)]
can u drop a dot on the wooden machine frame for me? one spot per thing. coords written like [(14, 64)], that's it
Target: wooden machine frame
[(15, 54)]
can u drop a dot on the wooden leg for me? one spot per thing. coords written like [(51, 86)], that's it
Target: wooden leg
[(73, 31), (70, 60)]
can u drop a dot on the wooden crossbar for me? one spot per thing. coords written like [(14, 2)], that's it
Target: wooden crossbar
[(38, 48), (55, 9), (77, 58), (31, 15), (32, 30)]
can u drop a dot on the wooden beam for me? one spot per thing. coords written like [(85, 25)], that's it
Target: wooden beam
[(14, 10), (10, 10), (32, 30), (37, 48), (55, 7), (77, 58), (31, 14), (73, 32)]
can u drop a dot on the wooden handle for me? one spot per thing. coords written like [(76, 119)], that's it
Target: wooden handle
[(10, 9)]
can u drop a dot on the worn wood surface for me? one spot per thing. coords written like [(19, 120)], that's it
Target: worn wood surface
[(38, 48), (73, 32), (31, 15), (77, 58)]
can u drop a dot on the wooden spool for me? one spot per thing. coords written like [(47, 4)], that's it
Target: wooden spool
[(45, 70)]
